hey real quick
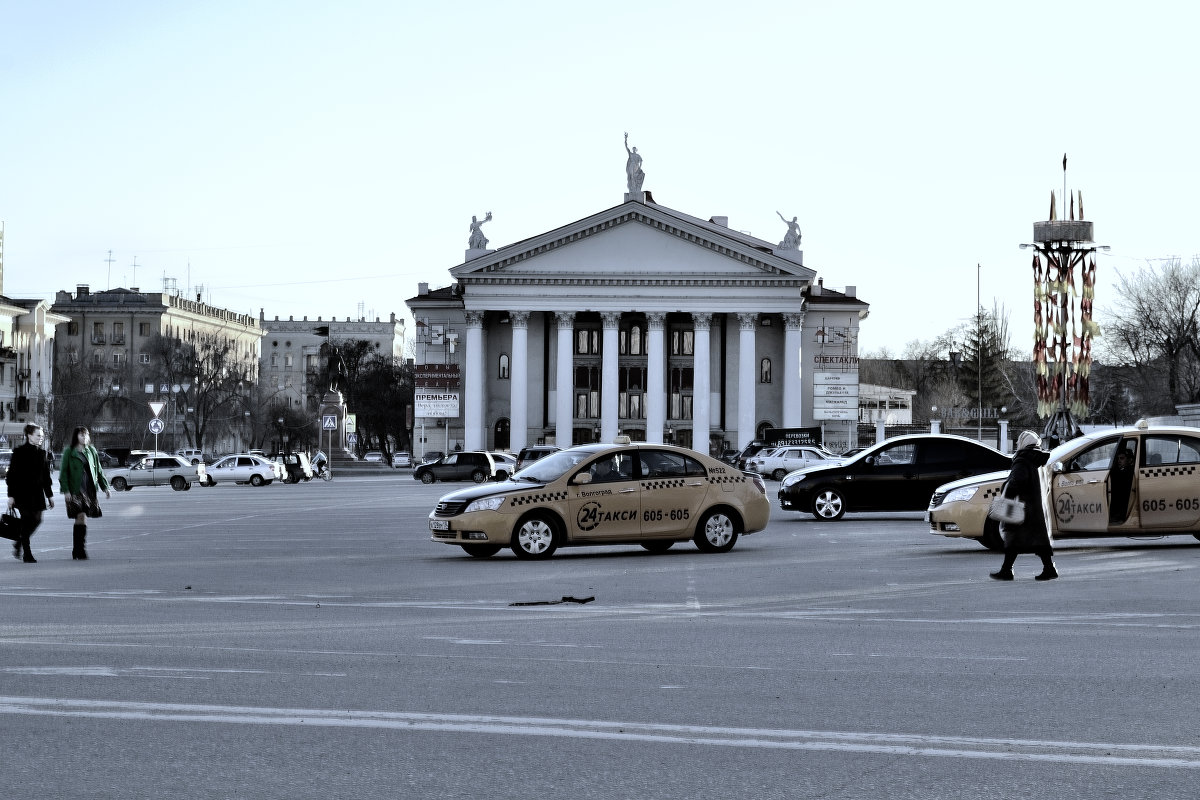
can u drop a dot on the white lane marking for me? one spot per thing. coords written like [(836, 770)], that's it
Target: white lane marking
[(182, 672), (899, 744)]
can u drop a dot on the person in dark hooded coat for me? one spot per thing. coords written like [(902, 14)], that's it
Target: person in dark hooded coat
[(1031, 535)]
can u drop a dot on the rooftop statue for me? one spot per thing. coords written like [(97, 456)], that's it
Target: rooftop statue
[(633, 168), (478, 241), (791, 240)]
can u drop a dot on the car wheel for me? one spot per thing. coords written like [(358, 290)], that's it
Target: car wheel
[(828, 504), (479, 476), (535, 537), (256, 480), (426, 477), (120, 484), (481, 550), (178, 483), (657, 546), (716, 533), (211, 481), (991, 538), (779, 474)]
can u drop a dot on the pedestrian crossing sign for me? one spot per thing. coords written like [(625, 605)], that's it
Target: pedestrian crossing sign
[(329, 422)]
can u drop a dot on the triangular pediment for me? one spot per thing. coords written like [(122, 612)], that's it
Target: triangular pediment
[(636, 239)]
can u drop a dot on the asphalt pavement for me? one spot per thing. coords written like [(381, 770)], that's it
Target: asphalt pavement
[(310, 641)]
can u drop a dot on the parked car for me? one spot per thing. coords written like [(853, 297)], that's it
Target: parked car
[(651, 495), (506, 465), (401, 459), (754, 448), (1090, 496), (158, 470), (373, 457), (899, 474), (193, 455), (779, 461), (431, 455), (469, 465), (528, 455), (244, 468)]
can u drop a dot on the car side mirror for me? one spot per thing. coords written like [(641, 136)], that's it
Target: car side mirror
[(1057, 467), (869, 461), (582, 479)]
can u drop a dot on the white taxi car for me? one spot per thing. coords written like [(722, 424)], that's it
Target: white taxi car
[(652, 495), (1139, 481)]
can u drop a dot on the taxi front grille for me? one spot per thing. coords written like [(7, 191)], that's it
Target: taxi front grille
[(449, 509)]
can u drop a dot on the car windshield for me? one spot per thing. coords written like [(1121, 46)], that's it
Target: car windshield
[(553, 466)]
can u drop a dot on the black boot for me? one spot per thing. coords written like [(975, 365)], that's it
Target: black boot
[(1048, 573), (80, 534), (1006, 569), (29, 559)]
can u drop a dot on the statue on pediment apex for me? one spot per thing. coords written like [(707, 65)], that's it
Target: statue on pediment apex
[(633, 168), (478, 241)]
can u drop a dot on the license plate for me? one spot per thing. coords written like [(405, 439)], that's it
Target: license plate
[(439, 524)]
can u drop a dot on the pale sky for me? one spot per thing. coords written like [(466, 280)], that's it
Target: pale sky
[(314, 158)]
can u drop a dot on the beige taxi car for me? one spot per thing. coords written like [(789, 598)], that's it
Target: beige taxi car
[(1138, 481), (652, 495)]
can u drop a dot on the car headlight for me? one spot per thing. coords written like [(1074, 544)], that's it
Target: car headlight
[(960, 495), (485, 503), (791, 480)]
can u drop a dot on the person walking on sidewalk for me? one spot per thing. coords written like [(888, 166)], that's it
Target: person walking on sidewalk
[(79, 479), (29, 488)]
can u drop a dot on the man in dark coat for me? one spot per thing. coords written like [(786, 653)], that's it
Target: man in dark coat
[(29, 487), (1031, 535)]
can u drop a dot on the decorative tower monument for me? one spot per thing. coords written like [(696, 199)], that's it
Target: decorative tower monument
[(1063, 327)]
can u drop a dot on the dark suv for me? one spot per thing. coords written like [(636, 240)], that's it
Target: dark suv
[(476, 466), (528, 455)]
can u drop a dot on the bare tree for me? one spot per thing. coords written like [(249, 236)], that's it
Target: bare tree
[(1153, 330)]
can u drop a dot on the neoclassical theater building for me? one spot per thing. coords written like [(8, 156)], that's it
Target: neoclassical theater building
[(638, 320)]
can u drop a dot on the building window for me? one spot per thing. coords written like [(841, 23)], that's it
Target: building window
[(143, 329), (764, 371), (97, 333), (631, 393), (587, 341), (274, 360), (116, 359), (632, 341), (287, 360), (72, 328), (503, 366), (144, 358), (683, 342), (587, 392), (680, 397)]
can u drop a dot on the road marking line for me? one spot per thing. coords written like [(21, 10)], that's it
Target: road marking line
[(922, 746)]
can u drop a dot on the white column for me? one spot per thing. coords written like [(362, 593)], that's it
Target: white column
[(473, 383), (608, 377), (747, 378), (701, 386), (564, 406), (793, 387), (656, 378), (518, 414)]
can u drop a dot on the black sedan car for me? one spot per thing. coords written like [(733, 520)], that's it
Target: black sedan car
[(899, 474)]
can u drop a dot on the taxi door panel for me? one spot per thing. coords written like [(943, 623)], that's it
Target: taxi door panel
[(1168, 482), (674, 487), (608, 507)]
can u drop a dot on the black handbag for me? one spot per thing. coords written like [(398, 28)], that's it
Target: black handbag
[(10, 525)]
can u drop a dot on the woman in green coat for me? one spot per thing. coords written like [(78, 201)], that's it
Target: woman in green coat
[(79, 478)]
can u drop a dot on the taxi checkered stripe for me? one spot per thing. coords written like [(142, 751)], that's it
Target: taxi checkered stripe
[(988, 494), (726, 478), (540, 497), (672, 483), (1167, 472)]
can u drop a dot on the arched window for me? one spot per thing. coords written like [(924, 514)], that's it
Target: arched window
[(503, 374), (764, 371)]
